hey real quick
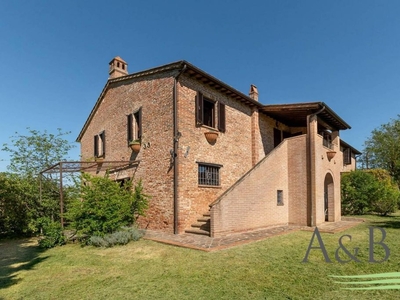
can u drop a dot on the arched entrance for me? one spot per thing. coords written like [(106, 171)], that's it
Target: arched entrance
[(329, 198)]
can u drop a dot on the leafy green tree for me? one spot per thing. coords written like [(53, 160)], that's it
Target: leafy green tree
[(369, 191), (20, 203), (358, 190), (36, 151), (104, 207), (388, 194), (382, 149)]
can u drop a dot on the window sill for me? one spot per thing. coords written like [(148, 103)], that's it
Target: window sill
[(210, 128), (209, 186)]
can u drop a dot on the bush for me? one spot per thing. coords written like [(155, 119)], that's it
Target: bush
[(369, 191), (358, 189), (388, 194), (103, 207), (52, 232), (122, 237)]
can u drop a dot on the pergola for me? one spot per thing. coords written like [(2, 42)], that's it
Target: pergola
[(66, 167)]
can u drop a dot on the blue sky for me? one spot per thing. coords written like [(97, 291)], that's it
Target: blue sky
[(54, 55)]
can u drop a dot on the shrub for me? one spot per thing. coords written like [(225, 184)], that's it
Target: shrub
[(103, 206), (358, 189), (122, 237), (388, 195), (369, 191), (52, 232)]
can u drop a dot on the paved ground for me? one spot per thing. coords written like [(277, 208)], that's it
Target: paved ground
[(206, 243)]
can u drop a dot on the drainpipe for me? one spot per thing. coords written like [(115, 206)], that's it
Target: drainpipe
[(177, 135), (310, 167)]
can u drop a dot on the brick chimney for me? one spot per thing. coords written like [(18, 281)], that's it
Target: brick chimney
[(118, 68), (253, 92)]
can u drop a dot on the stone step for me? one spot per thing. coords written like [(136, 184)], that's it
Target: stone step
[(198, 231), (203, 226), (203, 219), (207, 214)]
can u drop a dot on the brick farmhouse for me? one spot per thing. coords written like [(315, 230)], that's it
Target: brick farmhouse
[(215, 160)]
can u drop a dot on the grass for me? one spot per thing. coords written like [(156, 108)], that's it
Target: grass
[(268, 269)]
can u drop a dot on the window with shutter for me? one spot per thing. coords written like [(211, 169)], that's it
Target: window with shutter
[(103, 143), (96, 146), (205, 113), (134, 126), (347, 156), (199, 109), (221, 117), (129, 130)]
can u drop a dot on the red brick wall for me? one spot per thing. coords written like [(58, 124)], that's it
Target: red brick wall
[(252, 203), (154, 94), (232, 149), (297, 164)]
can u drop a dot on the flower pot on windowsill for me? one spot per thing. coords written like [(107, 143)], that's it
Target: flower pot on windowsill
[(330, 154), (211, 136), (135, 146)]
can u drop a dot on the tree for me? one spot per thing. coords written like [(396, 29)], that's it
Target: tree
[(358, 190), (34, 152), (20, 203), (382, 149), (369, 191)]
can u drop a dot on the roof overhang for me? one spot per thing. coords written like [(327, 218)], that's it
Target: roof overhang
[(289, 114), (346, 145), (295, 115)]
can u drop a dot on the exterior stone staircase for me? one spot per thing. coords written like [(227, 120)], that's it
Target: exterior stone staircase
[(202, 226)]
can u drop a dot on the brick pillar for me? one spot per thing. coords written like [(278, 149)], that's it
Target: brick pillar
[(255, 130)]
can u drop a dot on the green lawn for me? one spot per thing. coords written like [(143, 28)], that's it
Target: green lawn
[(269, 269)]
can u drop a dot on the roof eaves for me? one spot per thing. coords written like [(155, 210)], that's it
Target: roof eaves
[(222, 84), (347, 145), (164, 68)]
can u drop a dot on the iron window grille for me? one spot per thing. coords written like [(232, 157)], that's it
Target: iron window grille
[(208, 174)]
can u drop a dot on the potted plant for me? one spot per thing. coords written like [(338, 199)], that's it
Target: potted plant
[(211, 136), (135, 145)]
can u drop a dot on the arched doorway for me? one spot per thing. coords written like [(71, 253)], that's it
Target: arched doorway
[(329, 198)]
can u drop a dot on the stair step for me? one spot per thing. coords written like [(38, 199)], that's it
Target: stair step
[(203, 219), (204, 226), (198, 231), (207, 214)]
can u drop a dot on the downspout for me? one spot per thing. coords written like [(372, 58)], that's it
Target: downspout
[(310, 167), (177, 135)]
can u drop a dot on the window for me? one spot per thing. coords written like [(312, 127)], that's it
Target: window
[(327, 139), (347, 156), (208, 112), (280, 135), (134, 126), (100, 144), (279, 194), (205, 112), (209, 174)]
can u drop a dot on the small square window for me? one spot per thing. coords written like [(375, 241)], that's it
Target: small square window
[(208, 175), (279, 197)]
